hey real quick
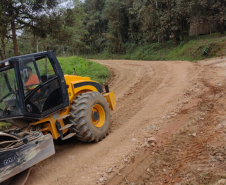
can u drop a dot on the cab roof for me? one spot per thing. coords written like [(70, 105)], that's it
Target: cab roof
[(11, 60)]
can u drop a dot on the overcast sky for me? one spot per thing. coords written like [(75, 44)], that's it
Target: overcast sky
[(68, 3)]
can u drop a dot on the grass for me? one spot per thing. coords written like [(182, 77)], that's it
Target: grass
[(95, 71), (4, 126), (193, 49)]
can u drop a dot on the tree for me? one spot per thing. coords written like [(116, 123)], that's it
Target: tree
[(95, 26), (3, 34), (118, 24), (219, 7), (98, 25), (206, 12), (22, 13)]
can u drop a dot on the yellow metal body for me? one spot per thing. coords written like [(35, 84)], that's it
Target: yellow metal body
[(110, 97), (100, 110), (49, 124)]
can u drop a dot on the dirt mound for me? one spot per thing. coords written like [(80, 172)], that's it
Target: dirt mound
[(193, 152), (168, 128)]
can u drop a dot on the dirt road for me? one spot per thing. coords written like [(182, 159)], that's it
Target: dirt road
[(180, 104)]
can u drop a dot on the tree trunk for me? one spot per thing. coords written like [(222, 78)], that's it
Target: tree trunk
[(222, 26), (119, 44), (13, 28), (63, 51), (37, 46), (3, 48), (169, 17), (46, 70), (46, 67), (182, 30), (1, 54), (176, 37), (131, 28)]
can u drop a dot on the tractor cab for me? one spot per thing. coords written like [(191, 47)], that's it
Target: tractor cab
[(31, 87)]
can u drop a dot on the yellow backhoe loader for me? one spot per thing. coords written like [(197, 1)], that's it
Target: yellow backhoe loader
[(46, 105)]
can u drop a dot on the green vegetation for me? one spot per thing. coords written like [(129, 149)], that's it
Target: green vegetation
[(88, 68), (203, 175), (206, 46), (4, 126), (135, 29)]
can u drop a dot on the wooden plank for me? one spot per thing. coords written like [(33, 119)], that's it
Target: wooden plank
[(17, 160)]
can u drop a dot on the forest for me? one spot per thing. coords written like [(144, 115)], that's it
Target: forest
[(73, 27)]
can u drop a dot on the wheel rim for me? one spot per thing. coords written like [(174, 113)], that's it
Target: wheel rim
[(98, 115)]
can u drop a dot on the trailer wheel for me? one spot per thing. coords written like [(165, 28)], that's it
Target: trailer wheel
[(90, 114)]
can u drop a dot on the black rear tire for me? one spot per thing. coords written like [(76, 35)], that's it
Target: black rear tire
[(90, 128)]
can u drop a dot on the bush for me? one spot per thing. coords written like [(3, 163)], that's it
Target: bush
[(192, 50), (83, 67)]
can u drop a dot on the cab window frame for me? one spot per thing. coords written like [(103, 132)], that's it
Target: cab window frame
[(48, 61), (17, 79), (42, 84), (39, 75)]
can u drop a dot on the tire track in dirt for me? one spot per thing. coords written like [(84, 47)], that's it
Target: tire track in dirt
[(147, 93), (193, 153)]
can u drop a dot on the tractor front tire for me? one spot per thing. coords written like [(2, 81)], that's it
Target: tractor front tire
[(90, 114)]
